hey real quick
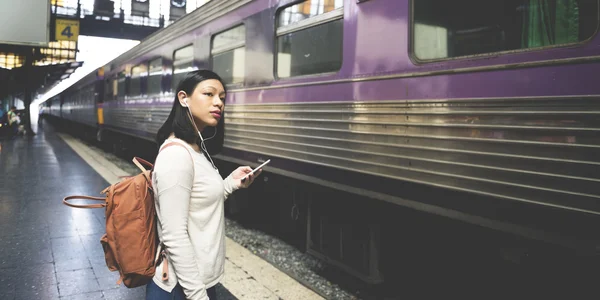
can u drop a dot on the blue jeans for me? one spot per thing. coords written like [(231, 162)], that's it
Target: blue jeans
[(154, 292)]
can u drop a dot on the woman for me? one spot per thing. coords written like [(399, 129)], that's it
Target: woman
[(190, 193)]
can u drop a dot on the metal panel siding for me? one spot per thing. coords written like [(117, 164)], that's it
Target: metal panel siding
[(84, 113), (136, 118), (80, 110), (542, 151), (55, 108)]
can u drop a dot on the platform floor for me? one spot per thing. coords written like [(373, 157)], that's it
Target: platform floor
[(51, 251)]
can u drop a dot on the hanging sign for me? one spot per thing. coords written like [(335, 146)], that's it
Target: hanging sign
[(67, 30)]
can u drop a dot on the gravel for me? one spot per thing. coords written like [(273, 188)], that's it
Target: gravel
[(301, 266)]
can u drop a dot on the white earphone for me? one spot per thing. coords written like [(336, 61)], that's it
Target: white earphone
[(202, 145)]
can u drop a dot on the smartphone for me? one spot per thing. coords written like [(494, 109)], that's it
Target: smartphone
[(256, 169)]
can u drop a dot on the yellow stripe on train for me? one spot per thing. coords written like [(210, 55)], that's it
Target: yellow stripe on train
[(100, 116)]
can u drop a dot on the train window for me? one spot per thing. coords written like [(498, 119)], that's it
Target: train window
[(183, 62), (115, 88), (121, 84), (309, 38), (228, 54), (155, 76), (135, 84), (108, 92), (446, 29)]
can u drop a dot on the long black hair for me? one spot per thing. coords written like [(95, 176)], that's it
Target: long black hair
[(179, 121)]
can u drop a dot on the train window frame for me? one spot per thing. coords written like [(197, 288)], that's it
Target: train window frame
[(233, 47), (417, 61), (175, 63), (150, 70), (332, 16), (107, 85), (122, 77), (133, 76)]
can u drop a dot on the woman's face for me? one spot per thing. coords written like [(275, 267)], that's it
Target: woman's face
[(206, 103)]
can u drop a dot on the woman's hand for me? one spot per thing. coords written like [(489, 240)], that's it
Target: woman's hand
[(240, 172)]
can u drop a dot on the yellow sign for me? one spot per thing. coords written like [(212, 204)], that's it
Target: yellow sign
[(67, 30)]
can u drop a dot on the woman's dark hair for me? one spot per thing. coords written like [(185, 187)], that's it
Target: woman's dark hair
[(179, 121)]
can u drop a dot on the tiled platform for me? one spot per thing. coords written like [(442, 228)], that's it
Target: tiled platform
[(49, 250)]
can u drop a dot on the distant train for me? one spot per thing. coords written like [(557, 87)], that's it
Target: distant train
[(487, 112)]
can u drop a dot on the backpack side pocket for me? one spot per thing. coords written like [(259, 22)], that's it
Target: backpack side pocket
[(109, 256)]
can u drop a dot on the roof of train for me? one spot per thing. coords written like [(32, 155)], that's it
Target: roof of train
[(204, 14)]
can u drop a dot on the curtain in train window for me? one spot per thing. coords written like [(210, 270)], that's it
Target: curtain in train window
[(446, 29), (115, 88), (309, 38), (550, 22), (229, 54)]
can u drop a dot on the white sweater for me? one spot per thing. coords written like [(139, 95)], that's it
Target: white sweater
[(190, 208)]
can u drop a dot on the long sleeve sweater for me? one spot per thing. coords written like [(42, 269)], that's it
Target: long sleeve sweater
[(190, 197)]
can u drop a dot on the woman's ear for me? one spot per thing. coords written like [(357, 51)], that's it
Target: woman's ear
[(182, 97)]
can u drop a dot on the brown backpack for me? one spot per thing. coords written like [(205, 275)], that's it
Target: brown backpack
[(131, 240)]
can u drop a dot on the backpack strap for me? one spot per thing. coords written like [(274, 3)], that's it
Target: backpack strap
[(179, 144), (101, 205), (162, 258), (139, 162)]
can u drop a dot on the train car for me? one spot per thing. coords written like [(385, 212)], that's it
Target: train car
[(484, 113), (79, 105), (53, 106)]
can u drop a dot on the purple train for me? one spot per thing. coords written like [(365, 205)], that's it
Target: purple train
[(487, 112)]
